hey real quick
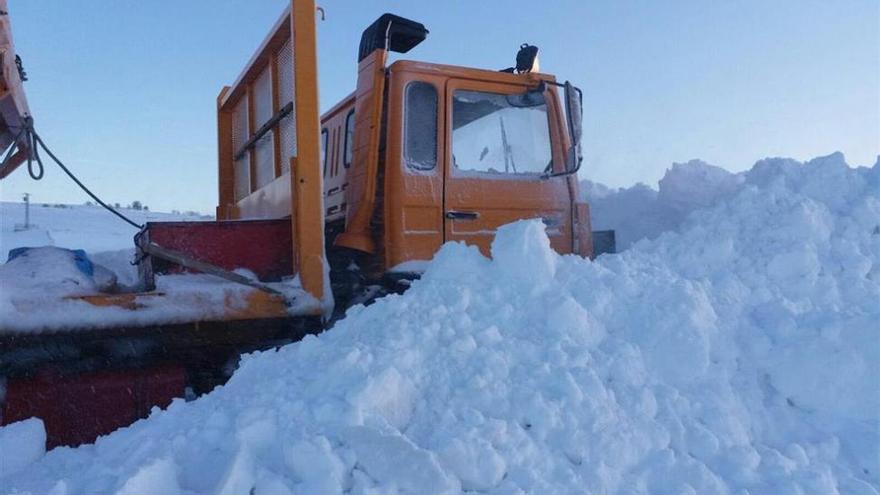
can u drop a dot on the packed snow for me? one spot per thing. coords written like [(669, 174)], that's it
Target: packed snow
[(737, 353), (39, 291), (48, 287)]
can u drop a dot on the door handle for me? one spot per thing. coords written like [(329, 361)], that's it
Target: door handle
[(462, 215)]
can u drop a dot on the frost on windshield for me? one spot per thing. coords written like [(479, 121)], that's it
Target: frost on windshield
[(420, 122), (489, 135)]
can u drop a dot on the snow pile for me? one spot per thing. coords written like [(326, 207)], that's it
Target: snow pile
[(30, 271), (738, 355), (641, 212)]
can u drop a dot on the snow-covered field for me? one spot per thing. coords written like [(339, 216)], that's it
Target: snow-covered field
[(90, 228), (737, 352)]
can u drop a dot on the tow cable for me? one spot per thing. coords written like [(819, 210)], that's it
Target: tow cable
[(36, 171), (35, 164)]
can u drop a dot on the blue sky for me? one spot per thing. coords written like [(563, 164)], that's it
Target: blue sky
[(125, 90)]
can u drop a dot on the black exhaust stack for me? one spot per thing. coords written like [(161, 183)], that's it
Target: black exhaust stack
[(398, 33)]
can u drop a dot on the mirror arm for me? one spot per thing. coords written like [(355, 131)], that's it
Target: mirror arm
[(548, 175), (580, 159)]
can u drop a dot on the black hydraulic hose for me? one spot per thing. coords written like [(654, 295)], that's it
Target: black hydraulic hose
[(35, 159)]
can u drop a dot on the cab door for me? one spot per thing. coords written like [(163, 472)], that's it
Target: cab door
[(500, 144)]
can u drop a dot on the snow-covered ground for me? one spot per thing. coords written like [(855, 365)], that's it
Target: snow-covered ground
[(91, 228), (737, 353)]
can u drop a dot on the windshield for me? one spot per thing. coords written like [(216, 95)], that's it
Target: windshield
[(491, 135)]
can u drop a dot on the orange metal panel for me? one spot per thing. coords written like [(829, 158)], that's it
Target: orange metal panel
[(256, 305), (413, 205), (584, 230), (362, 177), (480, 75), (307, 185)]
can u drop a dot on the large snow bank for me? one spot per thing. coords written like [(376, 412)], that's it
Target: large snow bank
[(737, 355), (640, 212)]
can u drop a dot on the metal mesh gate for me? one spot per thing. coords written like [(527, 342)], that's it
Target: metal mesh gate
[(264, 148), (263, 114), (286, 93)]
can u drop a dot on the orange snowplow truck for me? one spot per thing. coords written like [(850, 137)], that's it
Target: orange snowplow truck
[(418, 155), (315, 214)]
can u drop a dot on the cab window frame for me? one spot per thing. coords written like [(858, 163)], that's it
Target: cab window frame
[(410, 162), (348, 140), (325, 142), (499, 90)]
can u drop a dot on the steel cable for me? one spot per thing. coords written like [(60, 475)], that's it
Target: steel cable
[(36, 170)]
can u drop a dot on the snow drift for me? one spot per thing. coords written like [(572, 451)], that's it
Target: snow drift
[(736, 355), (641, 212)]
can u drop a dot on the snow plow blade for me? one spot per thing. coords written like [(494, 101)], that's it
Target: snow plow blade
[(87, 383)]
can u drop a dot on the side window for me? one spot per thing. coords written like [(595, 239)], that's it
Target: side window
[(420, 126), (500, 134), (324, 135), (349, 137)]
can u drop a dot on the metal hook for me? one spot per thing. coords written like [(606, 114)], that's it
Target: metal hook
[(321, 10)]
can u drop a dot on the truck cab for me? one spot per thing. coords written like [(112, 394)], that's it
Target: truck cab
[(468, 151)]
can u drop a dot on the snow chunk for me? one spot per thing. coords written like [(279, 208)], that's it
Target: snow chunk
[(477, 464), (157, 477), (393, 461), (524, 240), (21, 443)]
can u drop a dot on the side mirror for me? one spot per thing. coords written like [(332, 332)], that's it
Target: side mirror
[(574, 107)]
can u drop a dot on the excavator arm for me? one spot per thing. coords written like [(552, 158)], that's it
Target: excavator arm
[(13, 104)]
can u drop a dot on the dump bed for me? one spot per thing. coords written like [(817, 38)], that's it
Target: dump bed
[(269, 164)]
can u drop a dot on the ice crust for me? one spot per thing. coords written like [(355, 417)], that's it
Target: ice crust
[(737, 354)]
